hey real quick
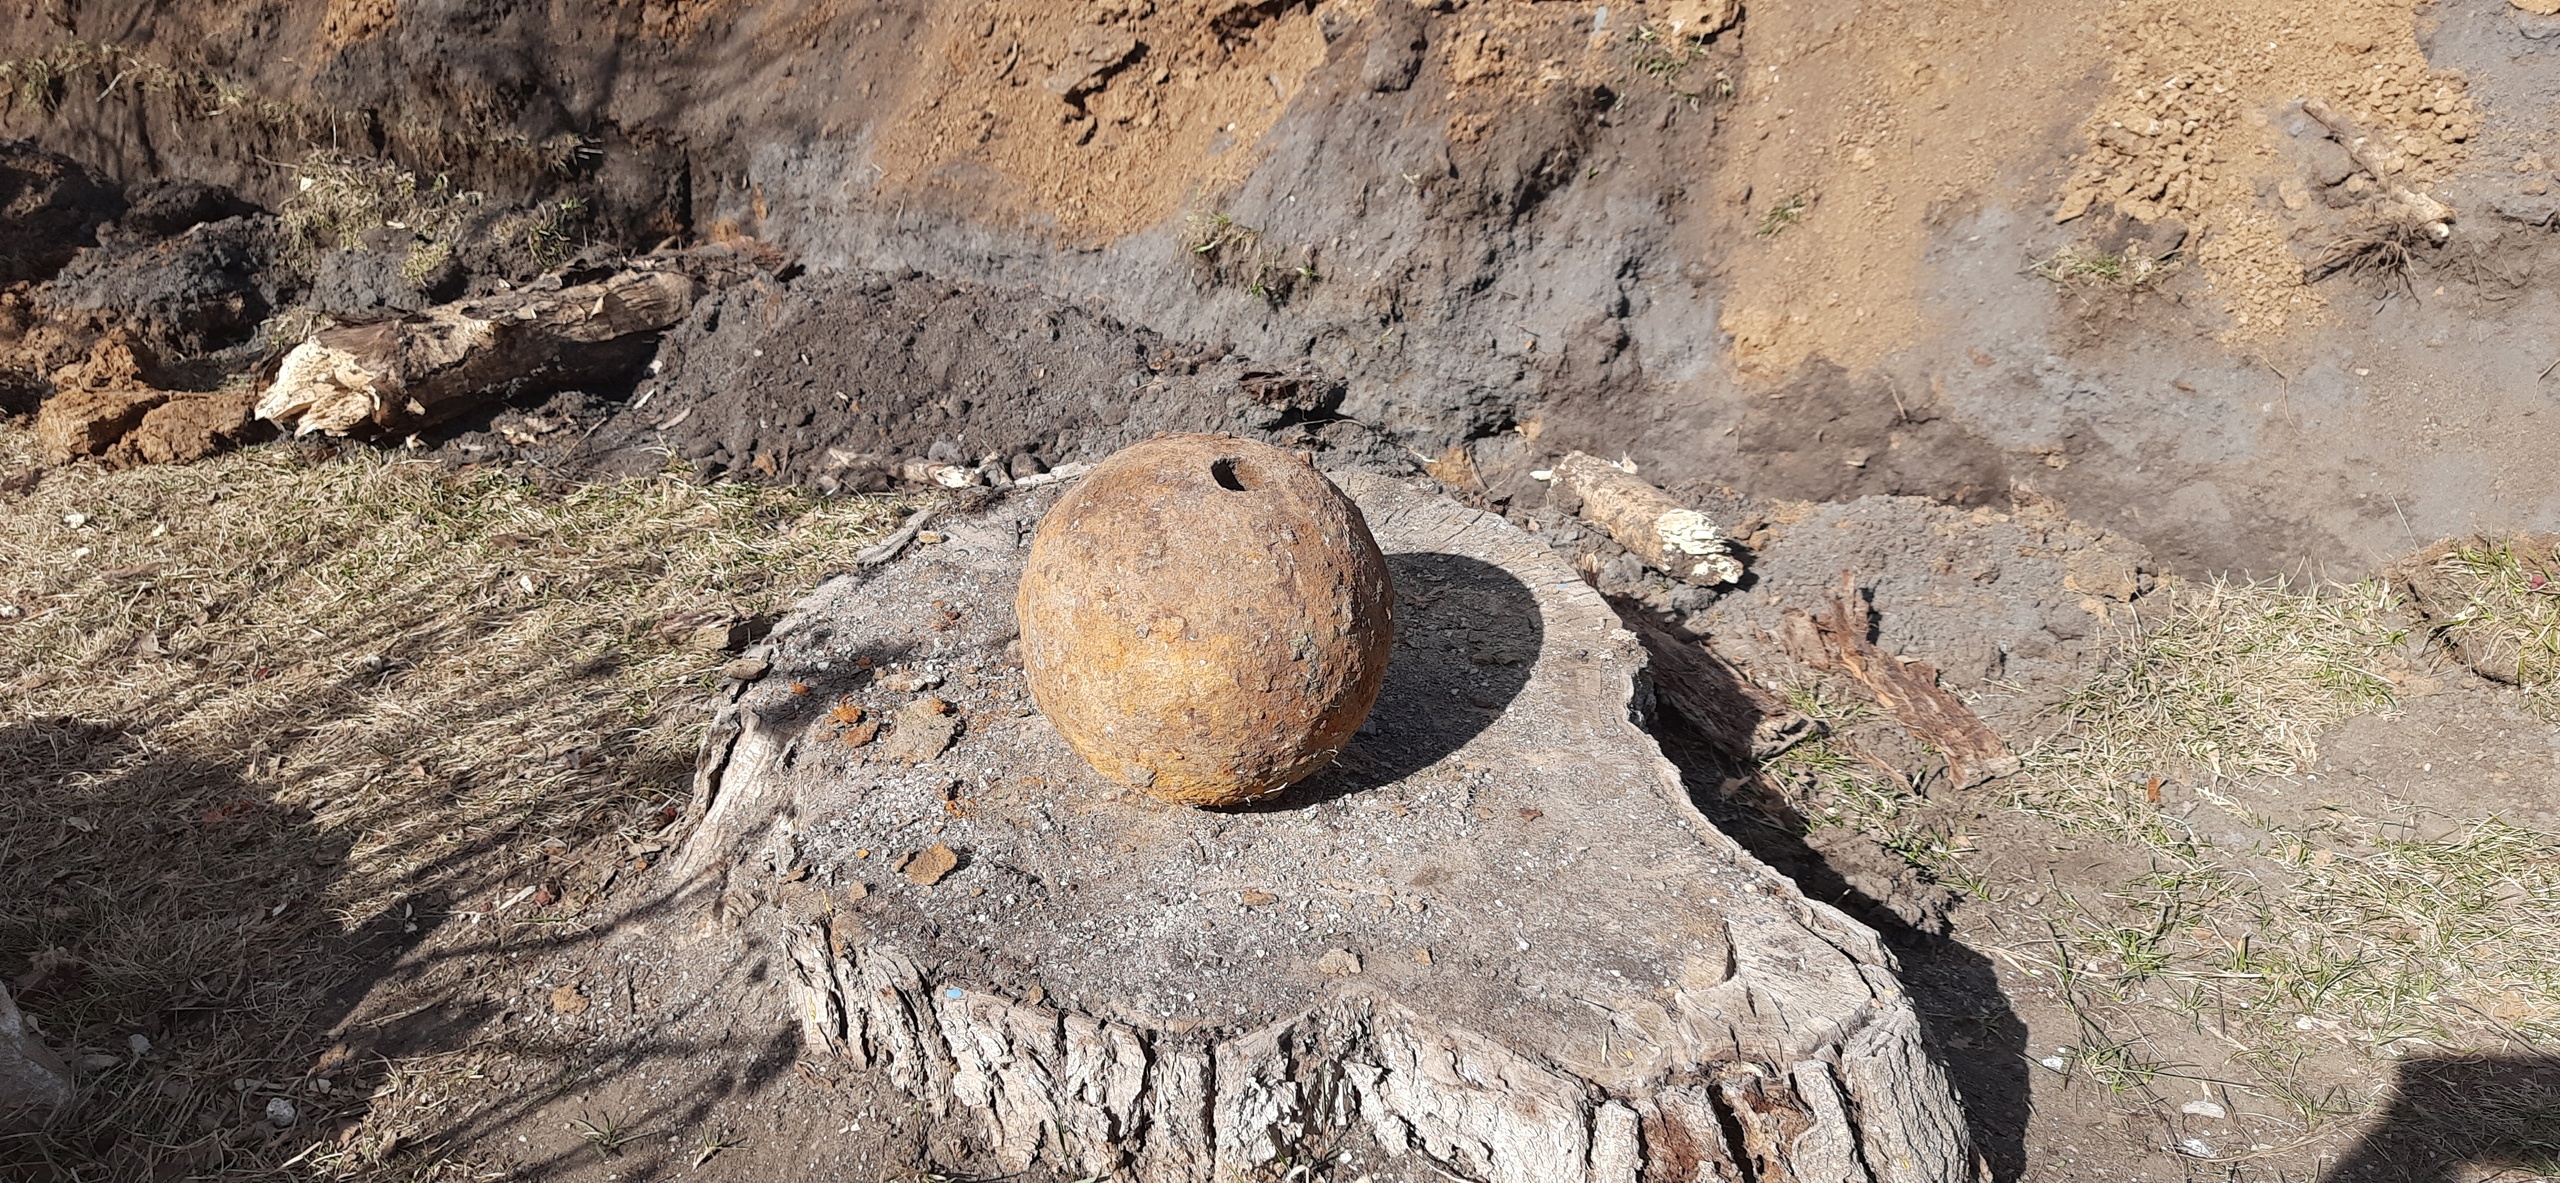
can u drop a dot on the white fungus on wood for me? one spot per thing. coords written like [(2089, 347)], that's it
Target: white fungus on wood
[(1670, 537)]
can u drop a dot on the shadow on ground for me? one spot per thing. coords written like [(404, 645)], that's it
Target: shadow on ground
[(169, 927), (1467, 635), (2451, 1116), (1965, 1018)]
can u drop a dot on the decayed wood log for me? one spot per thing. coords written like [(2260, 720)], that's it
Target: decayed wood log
[(400, 375), (1906, 687), (1497, 939), (1670, 537)]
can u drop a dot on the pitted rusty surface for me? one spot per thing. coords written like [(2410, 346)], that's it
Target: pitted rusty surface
[(1206, 619)]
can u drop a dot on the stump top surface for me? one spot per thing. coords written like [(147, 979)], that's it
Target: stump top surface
[(1502, 848)]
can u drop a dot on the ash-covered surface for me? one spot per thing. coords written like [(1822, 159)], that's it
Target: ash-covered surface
[(1502, 847)]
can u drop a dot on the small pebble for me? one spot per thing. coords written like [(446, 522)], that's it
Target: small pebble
[(280, 1111), (2204, 1109)]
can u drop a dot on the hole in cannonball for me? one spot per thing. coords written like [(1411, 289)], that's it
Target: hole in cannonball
[(1224, 471)]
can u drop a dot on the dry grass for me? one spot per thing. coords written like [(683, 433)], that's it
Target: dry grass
[(339, 200), (2296, 943), (1839, 787), (271, 707), (1788, 211), (2349, 935), (1232, 254), (2496, 604), (42, 80), (1665, 56), (2127, 269), (2217, 680)]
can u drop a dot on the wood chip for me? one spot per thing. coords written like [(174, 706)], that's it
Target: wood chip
[(1906, 688), (1256, 899), (926, 867)]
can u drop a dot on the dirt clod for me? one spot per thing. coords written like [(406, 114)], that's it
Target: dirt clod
[(569, 1000), (50, 207), (81, 422), (922, 730), (926, 867), (190, 426)]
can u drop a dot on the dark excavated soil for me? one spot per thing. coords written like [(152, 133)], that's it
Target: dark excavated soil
[(841, 380)]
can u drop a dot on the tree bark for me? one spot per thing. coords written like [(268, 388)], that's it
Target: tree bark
[(33, 1082)]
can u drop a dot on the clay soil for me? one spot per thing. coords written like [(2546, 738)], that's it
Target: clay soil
[(2064, 338)]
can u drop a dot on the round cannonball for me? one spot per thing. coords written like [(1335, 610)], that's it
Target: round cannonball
[(1205, 619)]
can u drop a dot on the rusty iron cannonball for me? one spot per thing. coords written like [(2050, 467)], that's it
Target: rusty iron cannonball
[(1205, 619)]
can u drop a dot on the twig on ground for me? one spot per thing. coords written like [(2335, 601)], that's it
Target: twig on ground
[(894, 543)]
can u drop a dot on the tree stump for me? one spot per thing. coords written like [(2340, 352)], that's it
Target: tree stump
[(1497, 937), (33, 1082)]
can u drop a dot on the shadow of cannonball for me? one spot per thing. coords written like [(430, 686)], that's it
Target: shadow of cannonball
[(1468, 634)]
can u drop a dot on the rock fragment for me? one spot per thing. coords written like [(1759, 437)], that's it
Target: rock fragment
[(926, 867), (923, 729)]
